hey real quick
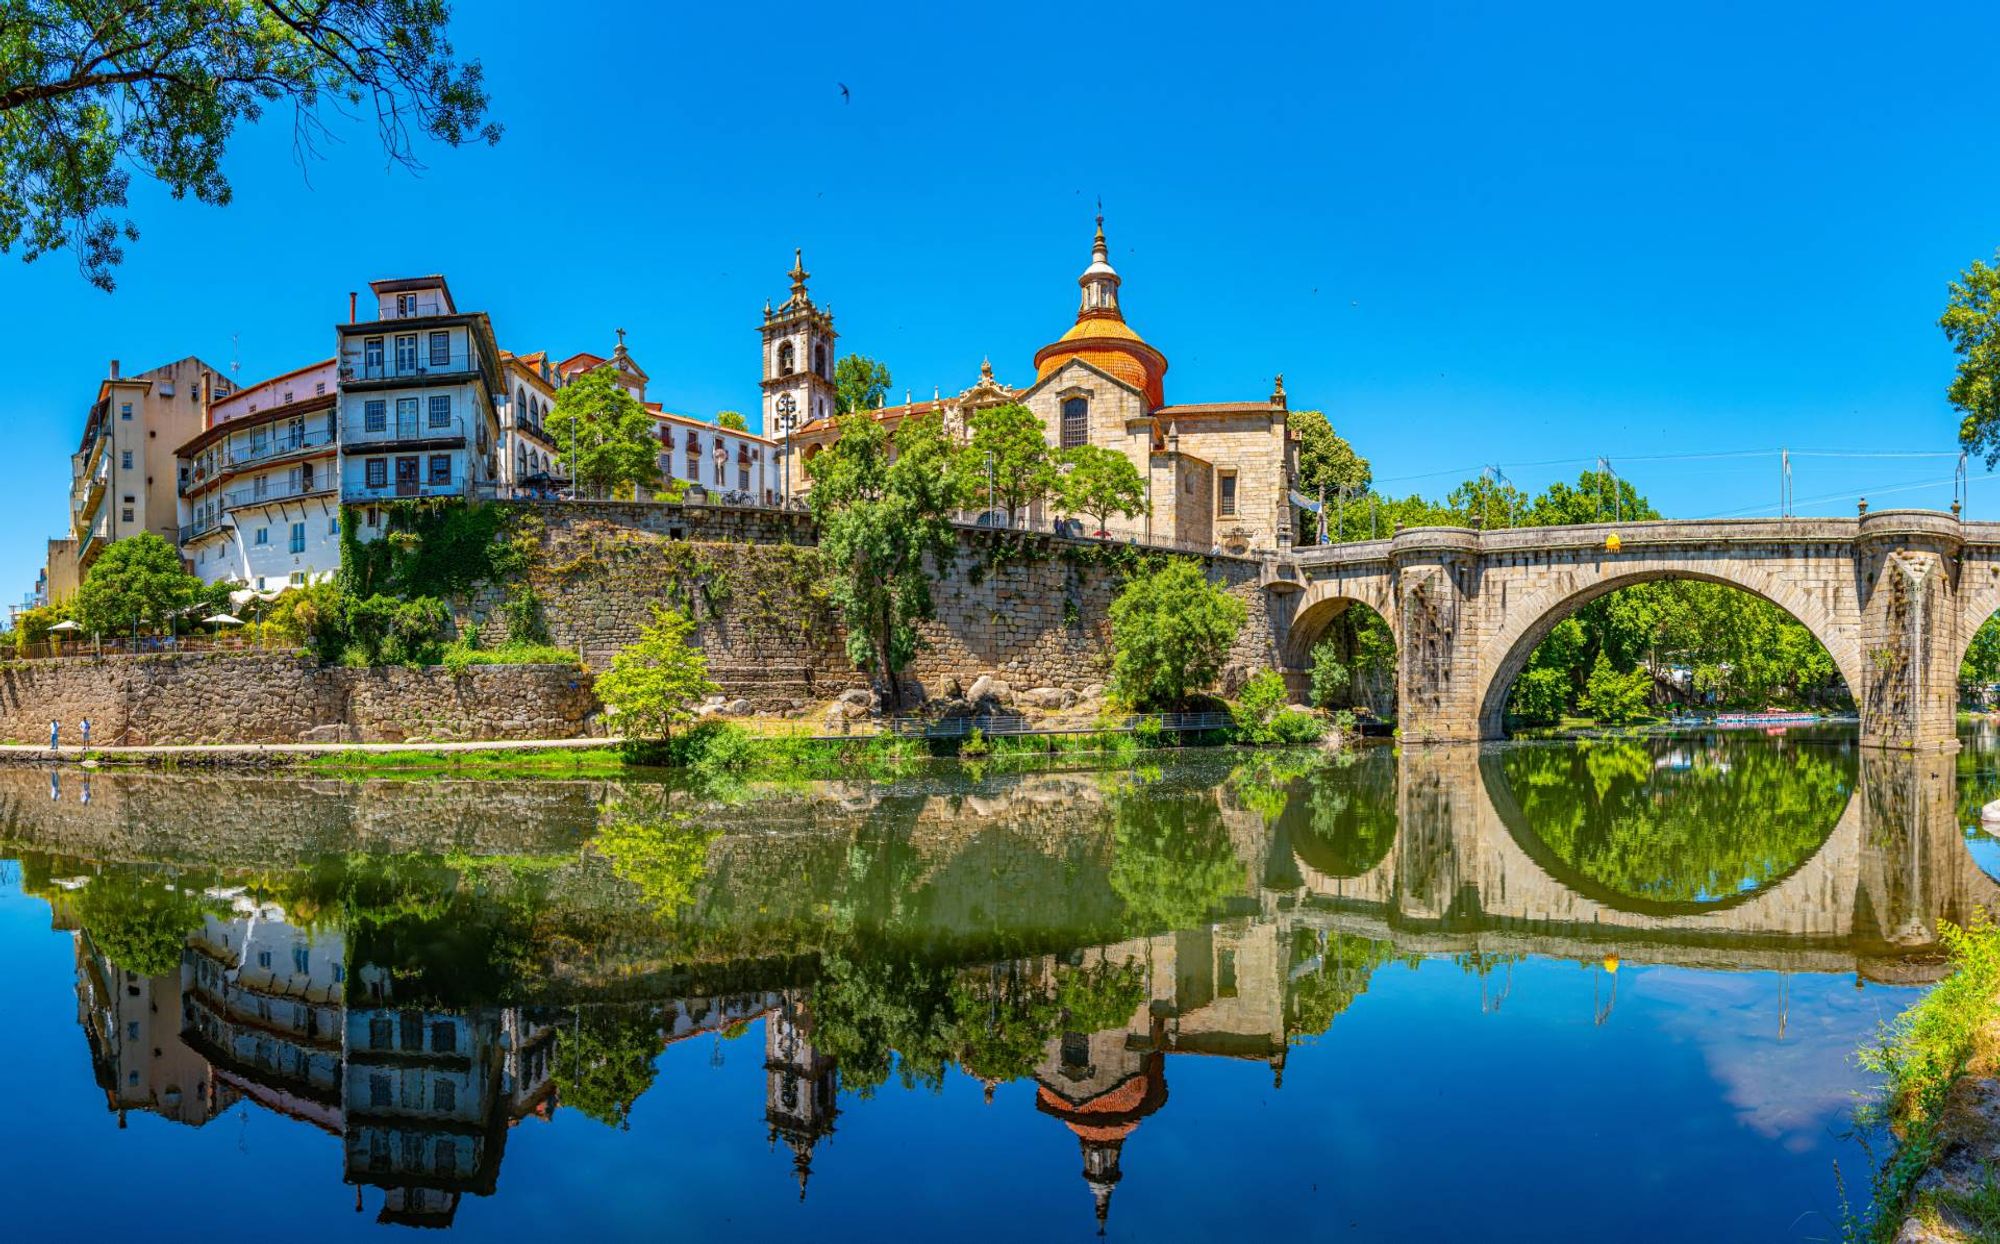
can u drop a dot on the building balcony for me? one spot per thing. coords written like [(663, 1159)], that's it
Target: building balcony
[(259, 493), (395, 490), (259, 450), (407, 370)]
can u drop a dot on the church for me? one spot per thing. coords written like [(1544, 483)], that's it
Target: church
[(1218, 474)]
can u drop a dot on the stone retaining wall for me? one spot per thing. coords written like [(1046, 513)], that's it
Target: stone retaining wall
[(237, 698), (1032, 611)]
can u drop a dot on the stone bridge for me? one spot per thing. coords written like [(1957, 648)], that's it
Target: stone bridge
[(1895, 596)]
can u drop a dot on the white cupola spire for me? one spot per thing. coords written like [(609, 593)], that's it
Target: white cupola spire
[(1099, 280)]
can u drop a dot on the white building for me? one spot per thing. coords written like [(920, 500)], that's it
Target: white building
[(421, 391), (529, 465), (260, 484)]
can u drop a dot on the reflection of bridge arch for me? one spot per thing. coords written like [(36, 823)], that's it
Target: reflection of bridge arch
[(1893, 864), (1528, 622)]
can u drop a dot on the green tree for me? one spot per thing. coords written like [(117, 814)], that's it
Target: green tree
[(732, 419), (1327, 463), (1971, 322), (1596, 497), (859, 383), (1489, 503), (90, 91), (604, 1060), (1101, 482), (140, 926), (605, 435), (1331, 676), (1981, 667), (1170, 630), (1614, 698), (1007, 458), (884, 526), (137, 582), (655, 684)]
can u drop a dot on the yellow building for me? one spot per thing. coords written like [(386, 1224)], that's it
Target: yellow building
[(1218, 474), (123, 477)]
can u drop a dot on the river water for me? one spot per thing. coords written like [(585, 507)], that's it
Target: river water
[(1536, 991)]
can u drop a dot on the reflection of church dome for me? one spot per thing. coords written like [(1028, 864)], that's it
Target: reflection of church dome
[(1102, 338), (1103, 1122)]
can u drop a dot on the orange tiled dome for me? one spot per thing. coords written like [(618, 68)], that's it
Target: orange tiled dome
[(1102, 338)]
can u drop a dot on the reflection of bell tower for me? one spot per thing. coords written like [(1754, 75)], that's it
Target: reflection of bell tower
[(798, 358), (801, 1085)]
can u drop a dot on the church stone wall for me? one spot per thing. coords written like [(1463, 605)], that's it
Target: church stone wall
[(1252, 445)]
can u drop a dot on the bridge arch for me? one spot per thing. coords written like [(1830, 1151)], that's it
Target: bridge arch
[(1327, 600), (1527, 623)]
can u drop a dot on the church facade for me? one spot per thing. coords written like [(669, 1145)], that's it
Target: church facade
[(1218, 475)]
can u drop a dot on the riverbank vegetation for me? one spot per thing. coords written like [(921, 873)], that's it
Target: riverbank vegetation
[(1952, 1032)]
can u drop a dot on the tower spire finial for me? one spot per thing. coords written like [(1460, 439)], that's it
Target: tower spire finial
[(798, 273)]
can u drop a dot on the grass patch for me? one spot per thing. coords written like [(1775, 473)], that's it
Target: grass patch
[(1969, 1215), (460, 657), (1921, 1055)]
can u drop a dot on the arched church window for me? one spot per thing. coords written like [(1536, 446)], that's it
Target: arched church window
[(1075, 422), (520, 405), (820, 364), (786, 359)]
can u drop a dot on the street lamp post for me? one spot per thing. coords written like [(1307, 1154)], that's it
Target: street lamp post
[(788, 418)]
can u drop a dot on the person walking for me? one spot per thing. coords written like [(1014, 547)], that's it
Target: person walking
[(86, 733), (55, 734)]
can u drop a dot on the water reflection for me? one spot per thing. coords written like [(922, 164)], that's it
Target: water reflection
[(418, 969)]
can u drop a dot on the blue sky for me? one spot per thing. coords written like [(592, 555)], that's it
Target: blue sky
[(1472, 235)]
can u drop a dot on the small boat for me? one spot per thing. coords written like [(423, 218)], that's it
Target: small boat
[(1740, 720)]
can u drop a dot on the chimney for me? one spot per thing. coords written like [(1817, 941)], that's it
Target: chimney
[(114, 369), (351, 296)]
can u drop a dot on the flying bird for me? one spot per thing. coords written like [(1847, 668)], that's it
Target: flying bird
[(846, 97)]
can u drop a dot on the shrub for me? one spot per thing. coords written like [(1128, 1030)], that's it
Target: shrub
[(1615, 698), (654, 685), (1147, 732), (522, 614), (1170, 629)]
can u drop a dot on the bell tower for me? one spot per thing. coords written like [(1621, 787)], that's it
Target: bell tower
[(798, 358)]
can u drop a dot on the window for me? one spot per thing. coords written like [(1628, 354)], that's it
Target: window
[(332, 424), (374, 515), (444, 1095), (786, 363), (298, 537), (440, 349), (288, 397), (371, 356), (440, 410), (378, 1091), (125, 410), (743, 479), (412, 1025), (406, 472), (820, 363), (333, 525), (444, 1160), (1225, 494), (378, 476), (1075, 422), (520, 405), (319, 389), (301, 959), (406, 305), (440, 468), (375, 416), (125, 460), (256, 441), (406, 354), (444, 1037), (127, 512), (263, 958), (406, 416), (305, 477), (259, 485), (296, 579), (132, 1031), (263, 535)]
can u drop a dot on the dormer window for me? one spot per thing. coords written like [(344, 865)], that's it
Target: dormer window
[(406, 305)]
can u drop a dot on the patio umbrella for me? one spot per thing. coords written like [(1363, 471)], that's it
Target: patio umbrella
[(65, 625), (223, 619)]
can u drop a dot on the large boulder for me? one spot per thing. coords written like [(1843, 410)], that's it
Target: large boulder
[(987, 689), (1050, 698)]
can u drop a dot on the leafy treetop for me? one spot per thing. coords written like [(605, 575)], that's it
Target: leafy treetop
[(1170, 631), (732, 419), (655, 684), (90, 90), (1971, 321), (605, 435), (139, 582), (1101, 482), (859, 383), (1326, 461), (1007, 456)]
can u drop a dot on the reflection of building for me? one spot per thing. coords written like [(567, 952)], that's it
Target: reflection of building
[(801, 1085), (132, 1023), (261, 1000)]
